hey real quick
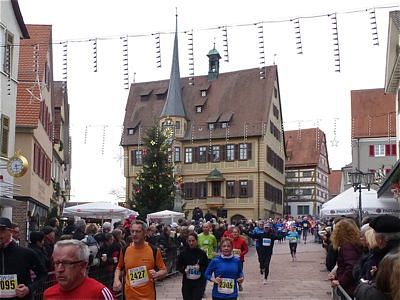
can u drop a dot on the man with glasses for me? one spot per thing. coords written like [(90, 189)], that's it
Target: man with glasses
[(15, 262), (71, 258), (142, 263)]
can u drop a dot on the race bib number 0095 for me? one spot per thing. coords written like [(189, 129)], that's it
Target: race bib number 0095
[(138, 276), (8, 284)]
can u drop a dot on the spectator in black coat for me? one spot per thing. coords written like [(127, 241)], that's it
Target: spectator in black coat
[(80, 228), (36, 239), (70, 228)]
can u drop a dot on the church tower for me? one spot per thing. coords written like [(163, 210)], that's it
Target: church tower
[(173, 114), (213, 69)]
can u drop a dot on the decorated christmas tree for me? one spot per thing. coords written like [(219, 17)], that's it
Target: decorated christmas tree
[(154, 188)]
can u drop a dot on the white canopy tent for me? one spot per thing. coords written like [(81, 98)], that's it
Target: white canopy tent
[(347, 203), (165, 216), (99, 210)]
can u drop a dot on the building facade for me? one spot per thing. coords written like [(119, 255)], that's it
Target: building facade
[(34, 126), (12, 31), (227, 139), (307, 171), (61, 161), (374, 147)]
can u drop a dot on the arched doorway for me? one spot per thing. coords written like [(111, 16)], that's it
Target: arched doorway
[(235, 219)]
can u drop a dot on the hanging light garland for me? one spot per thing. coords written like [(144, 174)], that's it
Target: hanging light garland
[(65, 63), (8, 69), (297, 34), (85, 135), (225, 43), (104, 140), (335, 37), (191, 56), (261, 50), (374, 27), (94, 51), (299, 131), (125, 65), (334, 141), (158, 49)]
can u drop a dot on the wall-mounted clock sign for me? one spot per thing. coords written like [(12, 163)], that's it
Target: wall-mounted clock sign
[(17, 165)]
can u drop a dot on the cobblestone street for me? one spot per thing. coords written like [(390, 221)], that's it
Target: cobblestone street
[(303, 279)]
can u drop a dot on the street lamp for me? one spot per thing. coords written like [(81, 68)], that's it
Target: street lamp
[(360, 181)]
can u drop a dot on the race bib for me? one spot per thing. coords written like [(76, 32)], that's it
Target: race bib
[(226, 286), (266, 242), (192, 273), (205, 249), (293, 240), (305, 225), (236, 252), (138, 276), (205, 242), (8, 284)]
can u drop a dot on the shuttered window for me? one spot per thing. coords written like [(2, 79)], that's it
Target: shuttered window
[(5, 130)]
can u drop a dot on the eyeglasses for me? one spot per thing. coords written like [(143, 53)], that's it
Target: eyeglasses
[(65, 264)]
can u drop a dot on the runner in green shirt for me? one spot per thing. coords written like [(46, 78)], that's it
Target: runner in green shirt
[(207, 241)]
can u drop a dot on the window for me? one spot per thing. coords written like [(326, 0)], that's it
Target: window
[(379, 150), (136, 158), (203, 93), (307, 173), (230, 152), (199, 109), (274, 160), (188, 155), (274, 194), (275, 131), (177, 154), (202, 154), (216, 153), (5, 129), (303, 210), (243, 188), (202, 186), (224, 125), (2, 42), (216, 188), (230, 189), (178, 125), (290, 174), (188, 190), (275, 111), (211, 126), (275, 92), (243, 151), (8, 53), (131, 131)]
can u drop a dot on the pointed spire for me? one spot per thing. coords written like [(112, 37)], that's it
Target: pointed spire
[(173, 106)]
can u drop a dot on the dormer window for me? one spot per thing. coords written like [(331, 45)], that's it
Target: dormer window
[(203, 93), (211, 126), (199, 109), (224, 125), (131, 131)]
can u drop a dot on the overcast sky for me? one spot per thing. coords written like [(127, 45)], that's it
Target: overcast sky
[(312, 93)]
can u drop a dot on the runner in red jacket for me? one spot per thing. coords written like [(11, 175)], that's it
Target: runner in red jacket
[(240, 248)]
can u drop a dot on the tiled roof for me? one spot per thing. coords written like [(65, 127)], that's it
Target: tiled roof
[(335, 182), (241, 93), (370, 110), (303, 147), (28, 106)]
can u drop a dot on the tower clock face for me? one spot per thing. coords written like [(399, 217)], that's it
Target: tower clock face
[(169, 132), (17, 166)]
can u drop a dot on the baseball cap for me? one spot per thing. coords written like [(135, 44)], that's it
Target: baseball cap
[(5, 223)]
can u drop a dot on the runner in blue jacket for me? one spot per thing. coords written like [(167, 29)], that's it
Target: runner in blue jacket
[(293, 238), (226, 272)]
